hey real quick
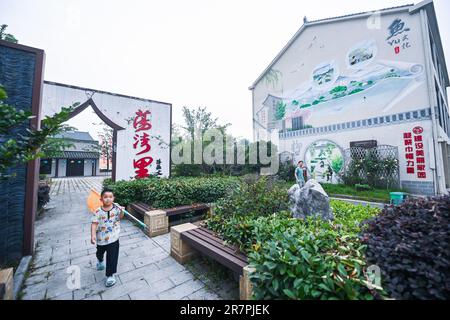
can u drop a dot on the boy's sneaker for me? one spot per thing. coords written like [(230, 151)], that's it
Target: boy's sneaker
[(110, 281), (100, 265)]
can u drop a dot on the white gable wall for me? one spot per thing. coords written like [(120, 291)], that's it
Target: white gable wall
[(329, 43)]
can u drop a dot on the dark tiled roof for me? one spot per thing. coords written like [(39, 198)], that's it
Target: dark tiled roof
[(76, 135), (78, 155)]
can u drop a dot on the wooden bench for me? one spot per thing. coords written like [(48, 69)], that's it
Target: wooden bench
[(157, 220), (188, 239)]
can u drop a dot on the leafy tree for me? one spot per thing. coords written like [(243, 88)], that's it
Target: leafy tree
[(30, 144), (202, 120), (6, 36)]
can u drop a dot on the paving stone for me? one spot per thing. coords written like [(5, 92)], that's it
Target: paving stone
[(163, 273), (35, 290), (66, 296), (57, 289), (144, 294), (181, 291), (161, 285), (180, 277), (35, 279), (168, 261), (93, 297), (150, 259), (119, 290), (203, 294), (34, 296), (138, 273), (125, 267)]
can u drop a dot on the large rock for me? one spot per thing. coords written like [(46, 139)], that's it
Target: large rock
[(310, 200)]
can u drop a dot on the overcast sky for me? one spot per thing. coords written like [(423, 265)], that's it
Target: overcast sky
[(186, 52)]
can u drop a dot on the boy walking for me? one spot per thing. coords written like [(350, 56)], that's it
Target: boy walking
[(105, 230)]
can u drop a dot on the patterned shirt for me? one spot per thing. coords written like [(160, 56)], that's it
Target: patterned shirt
[(108, 228)]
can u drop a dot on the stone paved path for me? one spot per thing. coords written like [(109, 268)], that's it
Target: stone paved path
[(145, 269)]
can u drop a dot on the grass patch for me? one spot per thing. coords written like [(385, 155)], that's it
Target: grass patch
[(374, 194)]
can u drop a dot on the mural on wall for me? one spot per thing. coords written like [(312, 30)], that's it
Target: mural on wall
[(331, 91), (363, 85), (325, 161)]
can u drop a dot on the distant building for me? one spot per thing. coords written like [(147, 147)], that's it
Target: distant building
[(372, 79), (80, 160)]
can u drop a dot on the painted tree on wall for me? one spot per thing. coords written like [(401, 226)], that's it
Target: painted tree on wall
[(280, 111)]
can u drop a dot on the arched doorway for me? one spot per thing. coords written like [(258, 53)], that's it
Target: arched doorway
[(74, 167)]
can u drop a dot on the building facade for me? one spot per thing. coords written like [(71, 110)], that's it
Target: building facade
[(81, 159), (362, 80)]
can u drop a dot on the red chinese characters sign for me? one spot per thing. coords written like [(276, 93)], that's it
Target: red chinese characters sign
[(142, 161), (414, 152)]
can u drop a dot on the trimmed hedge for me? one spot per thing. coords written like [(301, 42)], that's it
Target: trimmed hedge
[(173, 192), (411, 245)]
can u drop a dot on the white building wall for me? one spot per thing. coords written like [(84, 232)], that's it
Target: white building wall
[(62, 167), (328, 46), (53, 167), (88, 167), (121, 110)]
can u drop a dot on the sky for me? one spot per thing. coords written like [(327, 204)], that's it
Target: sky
[(186, 52)]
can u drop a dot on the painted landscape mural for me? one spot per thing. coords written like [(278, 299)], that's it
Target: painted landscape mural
[(330, 91)]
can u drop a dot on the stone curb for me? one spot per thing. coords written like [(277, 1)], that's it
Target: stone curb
[(19, 275), (362, 202)]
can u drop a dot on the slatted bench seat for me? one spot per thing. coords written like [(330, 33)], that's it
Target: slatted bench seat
[(206, 242), (157, 220), (138, 209), (188, 240)]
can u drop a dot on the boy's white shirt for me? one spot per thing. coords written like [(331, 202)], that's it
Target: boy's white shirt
[(107, 230)]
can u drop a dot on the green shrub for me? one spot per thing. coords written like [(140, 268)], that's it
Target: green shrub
[(254, 198), (286, 172), (107, 183), (362, 187), (168, 193), (301, 259)]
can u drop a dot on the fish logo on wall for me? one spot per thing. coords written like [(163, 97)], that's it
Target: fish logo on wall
[(398, 36)]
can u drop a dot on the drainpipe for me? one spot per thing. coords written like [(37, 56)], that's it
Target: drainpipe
[(431, 99)]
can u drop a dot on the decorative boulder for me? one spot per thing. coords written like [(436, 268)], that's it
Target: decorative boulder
[(310, 200)]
